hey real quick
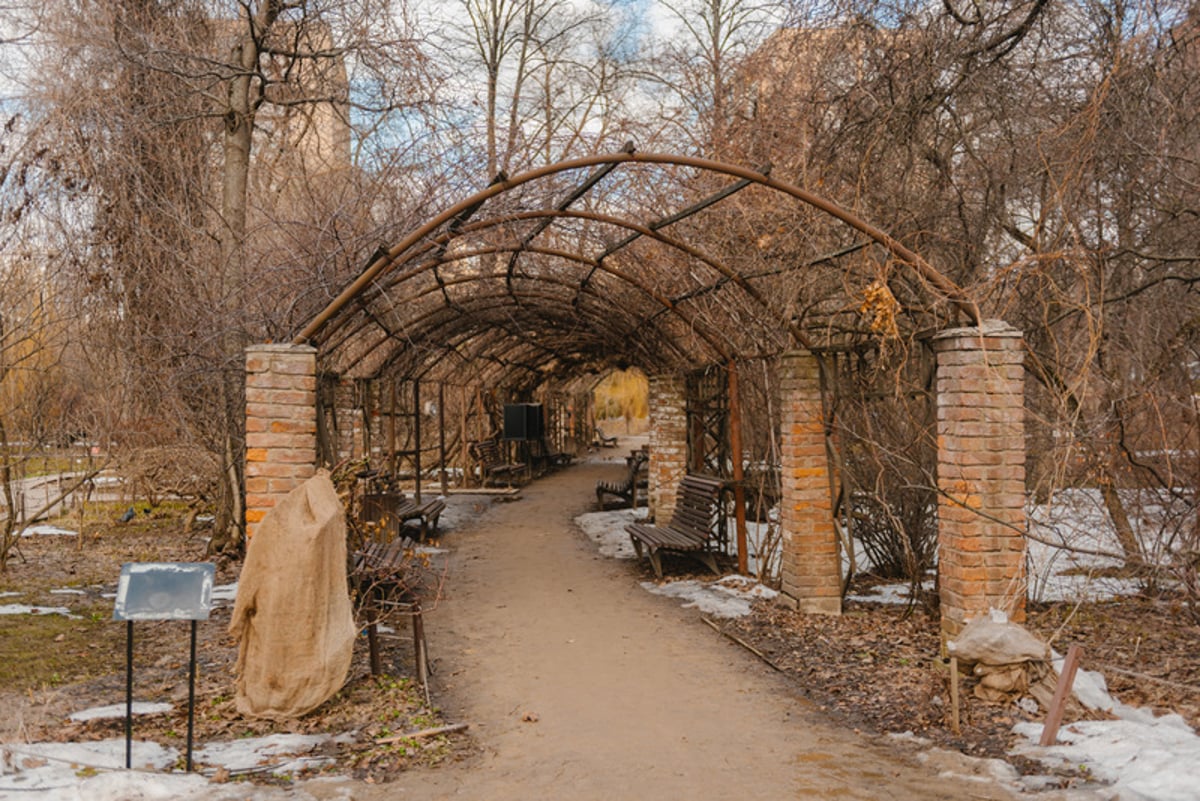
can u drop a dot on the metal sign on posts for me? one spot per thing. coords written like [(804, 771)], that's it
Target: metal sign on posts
[(162, 591)]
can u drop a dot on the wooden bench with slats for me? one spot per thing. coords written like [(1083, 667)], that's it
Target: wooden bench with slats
[(626, 489), (693, 530), (397, 512), (493, 467)]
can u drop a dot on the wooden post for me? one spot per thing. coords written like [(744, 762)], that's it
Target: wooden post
[(391, 460), (1062, 692), (417, 438), (739, 488), (442, 435), (954, 702), (463, 438)]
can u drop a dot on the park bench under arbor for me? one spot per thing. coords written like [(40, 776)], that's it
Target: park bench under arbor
[(695, 528)]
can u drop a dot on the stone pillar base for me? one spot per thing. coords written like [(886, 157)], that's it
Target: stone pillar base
[(811, 606)]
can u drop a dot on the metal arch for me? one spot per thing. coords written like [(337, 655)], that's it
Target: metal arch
[(439, 243), (370, 318), (638, 229), (710, 338), (387, 260), (441, 287), (479, 305), (465, 332)]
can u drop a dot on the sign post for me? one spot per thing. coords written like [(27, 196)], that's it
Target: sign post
[(162, 591)]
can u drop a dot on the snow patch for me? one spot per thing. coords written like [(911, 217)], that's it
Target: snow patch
[(48, 531), (607, 530), (732, 596), (1143, 757), (240, 756), (118, 711), (95, 771), (22, 609)]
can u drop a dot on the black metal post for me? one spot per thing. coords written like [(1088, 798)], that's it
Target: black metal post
[(191, 697), (128, 694)]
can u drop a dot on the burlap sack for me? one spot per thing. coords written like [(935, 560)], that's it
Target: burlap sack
[(293, 614), (995, 642)]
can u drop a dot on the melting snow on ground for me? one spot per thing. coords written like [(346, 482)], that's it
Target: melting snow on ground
[(94, 771), (118, 711), (22, 609), (48, 531), (1140, 757), (607, 530), (731, 596)]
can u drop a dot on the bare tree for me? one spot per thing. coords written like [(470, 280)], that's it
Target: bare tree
[(698, 66), (211, 142)]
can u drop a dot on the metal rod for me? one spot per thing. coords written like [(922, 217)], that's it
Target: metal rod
[(417, 438), (191, 698), (393, 466), (419, 649), (128, 694), (954, 702), (581, 190), (442, 436), (373, 649), (739, 488)]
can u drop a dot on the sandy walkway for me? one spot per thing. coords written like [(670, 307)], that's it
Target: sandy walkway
[(632, 696)]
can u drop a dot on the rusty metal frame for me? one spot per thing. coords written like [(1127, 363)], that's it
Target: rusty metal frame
[(424, 250), (388, 260)]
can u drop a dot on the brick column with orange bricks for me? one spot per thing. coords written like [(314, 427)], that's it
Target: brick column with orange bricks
[(668, 443), (811, 562), (281, 424), (981, 472)]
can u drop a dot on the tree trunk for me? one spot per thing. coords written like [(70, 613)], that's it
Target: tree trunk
[(1130, 547)]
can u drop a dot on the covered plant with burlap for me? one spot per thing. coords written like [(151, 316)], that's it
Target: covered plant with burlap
[(1007, 659), (293, 613)]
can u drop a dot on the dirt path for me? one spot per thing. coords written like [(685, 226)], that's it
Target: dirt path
[(579, 684)]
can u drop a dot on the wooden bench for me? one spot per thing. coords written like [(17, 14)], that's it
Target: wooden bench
[(543, 457), (426, 513), (395, 512), (693, 527), (626, 489), (604, 440), (493, 467), (377, 575)]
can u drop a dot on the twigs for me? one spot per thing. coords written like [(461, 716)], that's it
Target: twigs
[(423, 733), (730, 635)]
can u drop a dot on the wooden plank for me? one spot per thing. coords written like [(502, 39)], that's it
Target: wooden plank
[(1062, 692)]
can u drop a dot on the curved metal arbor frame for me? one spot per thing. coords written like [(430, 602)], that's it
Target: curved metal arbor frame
[(514, 292)]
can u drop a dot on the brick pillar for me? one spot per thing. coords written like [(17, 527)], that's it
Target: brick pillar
[(981, 472), (811, 561), (281, 424), (668, 443)]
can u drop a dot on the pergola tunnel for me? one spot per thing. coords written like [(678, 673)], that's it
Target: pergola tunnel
[(532, 289)]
